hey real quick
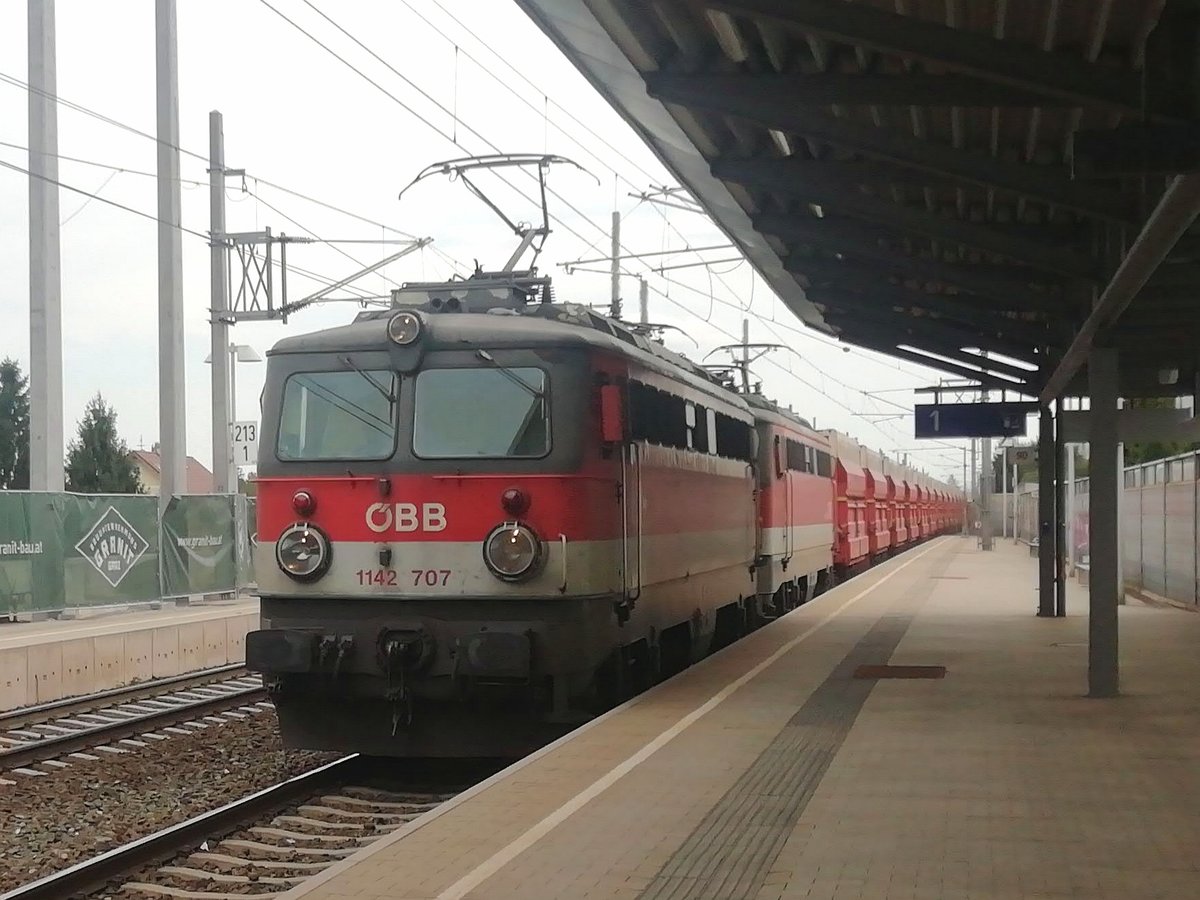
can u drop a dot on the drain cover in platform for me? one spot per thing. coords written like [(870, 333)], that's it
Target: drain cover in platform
[(900, 672)]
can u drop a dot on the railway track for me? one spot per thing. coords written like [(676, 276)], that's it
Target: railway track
[(52, 730), (258, 846)]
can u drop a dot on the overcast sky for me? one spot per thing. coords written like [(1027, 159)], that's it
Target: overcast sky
[(298, 117)]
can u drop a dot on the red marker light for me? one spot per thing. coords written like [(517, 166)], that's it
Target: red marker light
[(304, 503), (515, 502)]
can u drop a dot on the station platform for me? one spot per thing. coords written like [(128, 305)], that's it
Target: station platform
[(770, 771), (52, 659)]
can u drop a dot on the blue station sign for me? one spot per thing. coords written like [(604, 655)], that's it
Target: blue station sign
[(972, 420)]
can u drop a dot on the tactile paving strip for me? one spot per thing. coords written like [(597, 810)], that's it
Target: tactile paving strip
[(729, 854), (877, 672)]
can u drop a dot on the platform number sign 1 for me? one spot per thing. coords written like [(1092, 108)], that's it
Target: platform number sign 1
[(245, 443), (972, 420)]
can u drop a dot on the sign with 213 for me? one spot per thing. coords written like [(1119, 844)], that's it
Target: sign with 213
[(245, 443)]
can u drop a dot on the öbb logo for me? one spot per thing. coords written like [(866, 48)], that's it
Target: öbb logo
[(405, 517)]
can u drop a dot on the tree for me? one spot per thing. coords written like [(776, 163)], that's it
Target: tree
[(1152, 450), (1027, 472), (14, 427), (246, 486), (98, 461)]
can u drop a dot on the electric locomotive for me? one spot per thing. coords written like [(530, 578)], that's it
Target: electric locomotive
[(484, 515)]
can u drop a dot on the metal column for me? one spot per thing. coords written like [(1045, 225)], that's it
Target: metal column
[(973, 491), (45, 284), (614, 307), (1003, 494), (1060, 517), (986, 486), (1072, 538), (224, 479), (1121, 522), (1012, 480), (171, 398), (1103, 590), (966, 508), (231, 358), (1046, 531)]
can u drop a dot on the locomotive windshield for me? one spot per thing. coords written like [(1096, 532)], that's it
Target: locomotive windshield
[(489, 413), (338, 415)]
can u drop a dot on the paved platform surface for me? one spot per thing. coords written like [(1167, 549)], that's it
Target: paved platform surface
[(769, 772), (45, 661)]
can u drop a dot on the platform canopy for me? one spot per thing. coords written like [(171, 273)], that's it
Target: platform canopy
[(935, 179)]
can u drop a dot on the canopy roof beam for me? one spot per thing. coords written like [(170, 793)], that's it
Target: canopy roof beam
[(862, 275), (871, 89), (741, 100), (1048, 73), (868, 243), (892, 325), (982, 320), (1172, 216), (774, 176), (883, 344)]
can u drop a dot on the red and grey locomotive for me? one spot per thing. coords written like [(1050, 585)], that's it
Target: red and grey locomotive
[(484, 515)]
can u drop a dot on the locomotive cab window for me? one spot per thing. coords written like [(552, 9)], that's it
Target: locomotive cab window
[(482, 413), (338, 415)]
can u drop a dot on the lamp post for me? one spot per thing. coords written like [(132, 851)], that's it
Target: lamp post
[(237, 353)]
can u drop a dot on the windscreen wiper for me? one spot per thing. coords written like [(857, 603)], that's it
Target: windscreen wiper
[(511, 375), (349, 364)]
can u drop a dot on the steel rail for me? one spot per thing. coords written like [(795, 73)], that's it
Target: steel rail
[(60, 744), (142, 690), (93, 874)]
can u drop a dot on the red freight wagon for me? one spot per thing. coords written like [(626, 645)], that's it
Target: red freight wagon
[(879, 535), (851, 542)]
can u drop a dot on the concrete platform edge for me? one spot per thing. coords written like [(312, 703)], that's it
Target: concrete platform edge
[(83, 657)]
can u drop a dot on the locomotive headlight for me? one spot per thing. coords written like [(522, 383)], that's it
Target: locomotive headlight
[(512, 551), (303, 552), (404, 327)]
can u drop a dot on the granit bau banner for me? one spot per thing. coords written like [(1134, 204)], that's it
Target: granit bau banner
[(199, 545), (60, 551), (19, 549)]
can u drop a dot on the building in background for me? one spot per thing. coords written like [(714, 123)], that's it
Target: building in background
[(149, 466)]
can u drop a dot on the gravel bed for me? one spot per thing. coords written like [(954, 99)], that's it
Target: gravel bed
[(69, 815)]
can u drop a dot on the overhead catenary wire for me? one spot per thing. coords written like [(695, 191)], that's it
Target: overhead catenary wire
[(124, 126), (317, 237), (730, 335), (540, 90), (94, 196), (151, 217), (454, 139), (186, 152), (299, 194), (87, 201), (63, 157), (458, 265), (108, 120)]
